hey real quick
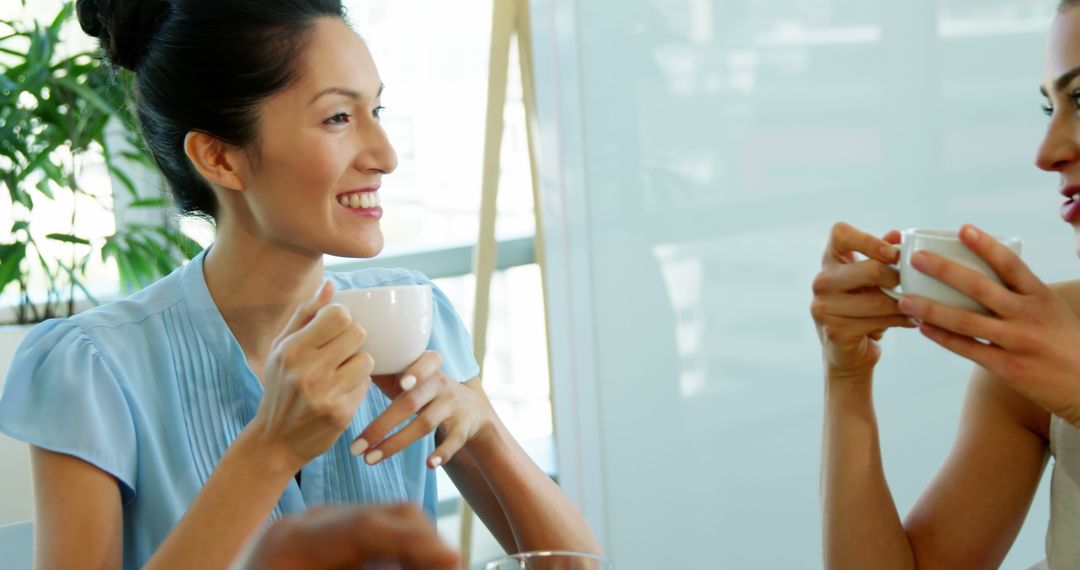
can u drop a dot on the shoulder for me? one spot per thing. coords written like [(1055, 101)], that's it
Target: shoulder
[(1070, 292), (136, 307), (376, 277)]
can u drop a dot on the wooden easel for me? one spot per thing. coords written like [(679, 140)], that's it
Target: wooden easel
[(510, 18)]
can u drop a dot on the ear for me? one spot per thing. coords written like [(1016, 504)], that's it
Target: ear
[(218, 162)]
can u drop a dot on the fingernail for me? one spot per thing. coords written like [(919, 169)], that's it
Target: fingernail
[(436, 461), (918, 260), (889, 252), (373, 457), (408, 382), (970, 233), (358, 446)]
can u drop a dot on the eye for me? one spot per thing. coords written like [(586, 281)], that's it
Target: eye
[(1047, 109), (377, 112), (339, 119)]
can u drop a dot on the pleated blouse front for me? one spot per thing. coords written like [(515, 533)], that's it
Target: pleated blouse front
[(154, 388)]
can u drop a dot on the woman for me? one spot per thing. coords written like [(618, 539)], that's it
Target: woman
[(1023, 400), (168, 427)]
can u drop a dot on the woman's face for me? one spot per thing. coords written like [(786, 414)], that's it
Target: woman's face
[(312, 179), (1060, 149)]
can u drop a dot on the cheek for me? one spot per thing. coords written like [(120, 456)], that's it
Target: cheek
[(312, 167)]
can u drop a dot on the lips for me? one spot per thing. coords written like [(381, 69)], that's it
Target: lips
[(364, 202), (1070, 210)]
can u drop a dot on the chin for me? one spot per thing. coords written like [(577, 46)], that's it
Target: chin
[(364, 247)]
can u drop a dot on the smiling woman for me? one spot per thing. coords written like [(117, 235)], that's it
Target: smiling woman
[(1023, 402), (233, 390)]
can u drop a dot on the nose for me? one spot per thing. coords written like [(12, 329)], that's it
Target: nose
[(376, 153), (1059, 147)]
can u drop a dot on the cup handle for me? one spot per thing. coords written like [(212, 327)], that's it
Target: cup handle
[(894, 292)]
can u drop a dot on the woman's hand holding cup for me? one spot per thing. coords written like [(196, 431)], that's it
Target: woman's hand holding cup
[(1027, 335), (849, 308), (315, 379)]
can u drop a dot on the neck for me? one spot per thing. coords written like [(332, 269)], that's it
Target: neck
[(257, 287)]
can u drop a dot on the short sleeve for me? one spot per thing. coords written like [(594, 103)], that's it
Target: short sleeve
[(61, 395), (449, 337)]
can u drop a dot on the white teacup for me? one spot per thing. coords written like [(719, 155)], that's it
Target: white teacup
[(397, 320), (945, 243)]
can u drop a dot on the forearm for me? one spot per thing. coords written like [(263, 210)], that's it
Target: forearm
[(861, 524), (536, 511), (237, 498)]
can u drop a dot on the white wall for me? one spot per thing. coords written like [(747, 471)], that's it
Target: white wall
[(17, 498), (695, 154)]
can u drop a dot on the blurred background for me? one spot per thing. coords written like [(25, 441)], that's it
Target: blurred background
[(692, 157)]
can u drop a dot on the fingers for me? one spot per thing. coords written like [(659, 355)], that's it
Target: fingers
[(403, 533), (453, 442), (967, 281), (855, 275), (429, 363), (306, 311), (402, 408), (329, 322), (423, 424), (1001, 259), (952, 319), (988, 356), (343, 537), (845, 239), (839, 329), (343, 346), (354, 373), (872, 303)]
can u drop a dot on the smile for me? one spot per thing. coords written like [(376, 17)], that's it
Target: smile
[(360, 200)]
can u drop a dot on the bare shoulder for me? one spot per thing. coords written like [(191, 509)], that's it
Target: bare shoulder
[(1070, 291)]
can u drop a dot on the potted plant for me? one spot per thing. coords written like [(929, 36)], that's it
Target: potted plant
[(60, 116)]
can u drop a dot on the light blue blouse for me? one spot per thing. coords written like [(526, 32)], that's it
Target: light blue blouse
[(153, 389)]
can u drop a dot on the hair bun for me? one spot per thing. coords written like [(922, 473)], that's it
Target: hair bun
[(125, 27)]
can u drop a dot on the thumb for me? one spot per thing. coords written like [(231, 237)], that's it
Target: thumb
[(306, 311)]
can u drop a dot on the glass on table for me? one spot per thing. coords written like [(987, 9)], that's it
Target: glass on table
[(551, 560)]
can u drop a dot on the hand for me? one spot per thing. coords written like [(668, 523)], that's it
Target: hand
[(1032, 332), (315, 380), (851, 312), (351, 537), (459, 411)]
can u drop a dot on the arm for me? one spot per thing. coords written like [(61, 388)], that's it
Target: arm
[(78, 520), (522, 506), (511, 493), (314, 383), (971, 512)]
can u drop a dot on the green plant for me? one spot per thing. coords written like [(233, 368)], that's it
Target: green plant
[(55, 113)]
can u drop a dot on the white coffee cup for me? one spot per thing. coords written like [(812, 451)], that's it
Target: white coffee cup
[(397, 320), (945, 243)]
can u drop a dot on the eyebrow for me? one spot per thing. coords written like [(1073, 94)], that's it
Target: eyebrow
[(1062, 82), (351, 93)]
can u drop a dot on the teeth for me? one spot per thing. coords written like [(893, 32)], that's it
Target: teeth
[(365, 200), (1076, 197)]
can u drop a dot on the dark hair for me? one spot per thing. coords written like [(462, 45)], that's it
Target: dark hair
[(202, 65)]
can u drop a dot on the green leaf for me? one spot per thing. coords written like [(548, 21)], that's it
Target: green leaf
[(124, 179), (43, 187), (90, 96), (61, 18), (77, 282), (20, 225), (68, 238), (11, 256), (148, 203)]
